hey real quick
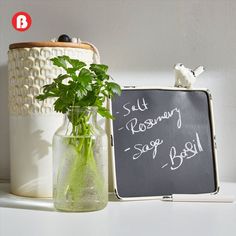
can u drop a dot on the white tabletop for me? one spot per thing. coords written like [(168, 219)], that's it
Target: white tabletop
[(23, 217)]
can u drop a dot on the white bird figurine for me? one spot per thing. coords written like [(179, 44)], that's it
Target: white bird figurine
[(185, 77)]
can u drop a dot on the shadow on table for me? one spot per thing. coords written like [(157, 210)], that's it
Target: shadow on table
[(9, 200)]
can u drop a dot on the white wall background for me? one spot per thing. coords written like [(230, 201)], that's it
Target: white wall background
[(141, 40)]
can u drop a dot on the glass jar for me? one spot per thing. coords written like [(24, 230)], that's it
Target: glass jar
[(80, 162)]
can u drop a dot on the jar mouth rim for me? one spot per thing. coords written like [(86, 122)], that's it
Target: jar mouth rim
[(88, 108)]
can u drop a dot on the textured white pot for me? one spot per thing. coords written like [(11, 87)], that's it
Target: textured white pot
[(32, 122)]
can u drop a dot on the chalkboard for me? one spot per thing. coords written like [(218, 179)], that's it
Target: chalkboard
[(163, 143)]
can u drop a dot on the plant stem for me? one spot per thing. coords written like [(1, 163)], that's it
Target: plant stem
[(85, 167)]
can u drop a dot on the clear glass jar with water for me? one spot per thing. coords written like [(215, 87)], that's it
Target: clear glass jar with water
[(80, 162)]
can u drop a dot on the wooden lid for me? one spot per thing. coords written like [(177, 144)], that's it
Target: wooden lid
[(50, 44)]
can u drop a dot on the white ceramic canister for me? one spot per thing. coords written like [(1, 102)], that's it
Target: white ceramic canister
[(32, 122)]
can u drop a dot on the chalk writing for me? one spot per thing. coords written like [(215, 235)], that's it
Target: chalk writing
[(190, 150), (152, 146), (135, 127), (140, 106)]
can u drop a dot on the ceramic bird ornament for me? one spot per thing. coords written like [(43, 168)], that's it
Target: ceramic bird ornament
[(185, 77)]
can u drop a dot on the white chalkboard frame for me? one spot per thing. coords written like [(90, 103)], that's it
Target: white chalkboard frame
[(113, 178)]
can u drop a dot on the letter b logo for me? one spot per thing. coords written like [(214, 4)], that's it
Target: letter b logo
[(21, 21)]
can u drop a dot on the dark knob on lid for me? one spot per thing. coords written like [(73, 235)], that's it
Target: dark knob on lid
[(64, 38)]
